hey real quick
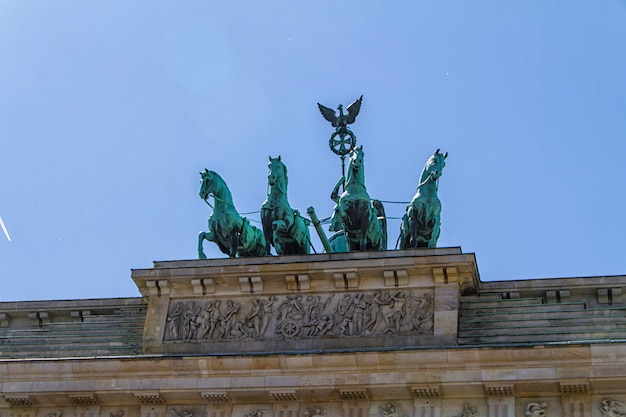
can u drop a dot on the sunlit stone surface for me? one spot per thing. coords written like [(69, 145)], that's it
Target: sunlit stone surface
[(410, 333)]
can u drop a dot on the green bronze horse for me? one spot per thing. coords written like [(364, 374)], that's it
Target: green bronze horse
[(233, 234), (361, 219), (283, 227), (421, 224)]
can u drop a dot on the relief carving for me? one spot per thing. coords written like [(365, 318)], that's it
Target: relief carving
[(174, 320), (184, 413), (352, 315), (257, 413), (612, 408), (295, 317), (468, 411), (314, 412), (536, 409), (390, 410)]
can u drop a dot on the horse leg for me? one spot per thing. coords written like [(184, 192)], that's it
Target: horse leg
[(280, 227), (379, 222), (340, 212), (201, 237), (364, 220), (279, 230), (414, 227), (364, 229), (402, 242), (266, 221), (432, 243), (233, 243), (300, 234), (375, 235)]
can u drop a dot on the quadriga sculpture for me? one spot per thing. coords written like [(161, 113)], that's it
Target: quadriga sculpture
[(421, 223), (283, 227), (234, 234), (361, 219)]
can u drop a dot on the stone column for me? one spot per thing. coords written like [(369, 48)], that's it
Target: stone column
[(153, 410), (219, 410), (576, 405), (286, 409), (152, 404), (355, 408), (427, 407), (88, 411), (286, 412), (575, 399), (501, 406)]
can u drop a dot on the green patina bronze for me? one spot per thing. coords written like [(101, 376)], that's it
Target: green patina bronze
[(233, 234), (421, 224), (361, 220), (358, 222), (318, 228), (283, 226), (343, 140)]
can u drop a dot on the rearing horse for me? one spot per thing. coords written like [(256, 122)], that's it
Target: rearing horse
[(283, 227), (233, 234), (421, 223), (363, 220)]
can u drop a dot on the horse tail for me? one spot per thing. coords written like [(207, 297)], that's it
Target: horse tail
[(382, 218)]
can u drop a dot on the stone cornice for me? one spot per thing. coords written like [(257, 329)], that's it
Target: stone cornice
[(181, 277), (447, 373)]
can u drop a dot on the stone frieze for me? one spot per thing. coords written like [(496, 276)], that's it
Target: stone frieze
[(390, 312)]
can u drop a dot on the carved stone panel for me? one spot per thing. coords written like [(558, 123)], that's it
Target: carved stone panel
[(300, 317), (380, 313)]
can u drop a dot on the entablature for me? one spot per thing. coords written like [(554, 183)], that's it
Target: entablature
[(363, 270), (356, 300)]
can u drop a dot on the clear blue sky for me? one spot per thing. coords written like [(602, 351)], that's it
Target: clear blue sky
[(108, 110)]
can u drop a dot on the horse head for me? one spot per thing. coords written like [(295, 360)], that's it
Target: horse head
[(206, 183), (356, 157), (434, 166), (277, 173), (213, 184), (355, 177)]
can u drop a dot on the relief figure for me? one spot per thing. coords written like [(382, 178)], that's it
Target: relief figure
[(267, 311), (536, 409), (254, 317), (358, 313), (210, 319), (174, 320), (612, 408), (231, 317), (190, 321), (390, 410)]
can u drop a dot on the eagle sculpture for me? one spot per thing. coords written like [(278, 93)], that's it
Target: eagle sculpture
[(342, 120)]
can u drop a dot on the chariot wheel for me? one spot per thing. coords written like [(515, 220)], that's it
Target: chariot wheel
[(342, 142), (290, 329)]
